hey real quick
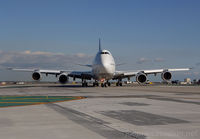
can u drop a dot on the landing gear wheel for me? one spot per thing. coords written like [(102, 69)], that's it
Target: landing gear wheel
[(84, 84), (95, 84), (103, 85), (109, 84), (117, 84)]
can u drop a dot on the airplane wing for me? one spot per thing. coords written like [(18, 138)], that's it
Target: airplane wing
[(127, 74), (70, 73), (43, 71), (85, 65)]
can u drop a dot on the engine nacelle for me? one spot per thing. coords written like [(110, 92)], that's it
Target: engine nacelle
[(141, 78), (166, 75), (63, 78), (36, 76)]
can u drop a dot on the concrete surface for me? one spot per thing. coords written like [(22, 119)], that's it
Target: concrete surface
[(140, 112)]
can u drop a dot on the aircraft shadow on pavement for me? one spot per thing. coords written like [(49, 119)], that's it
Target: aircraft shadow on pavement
[(69, 86)]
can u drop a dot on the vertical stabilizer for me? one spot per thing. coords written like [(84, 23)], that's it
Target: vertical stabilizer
[(100, 44)]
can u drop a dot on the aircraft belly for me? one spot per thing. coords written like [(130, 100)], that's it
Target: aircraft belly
[(106, 76)]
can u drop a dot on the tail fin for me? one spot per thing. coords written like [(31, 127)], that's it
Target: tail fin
[(100, 44)]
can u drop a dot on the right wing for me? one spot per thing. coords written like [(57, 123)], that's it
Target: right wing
[(43, 71)]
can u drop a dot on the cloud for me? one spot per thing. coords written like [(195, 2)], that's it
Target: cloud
[(143, 60), (39, 59), (28, 52), (80, 55), (159, 60), (148, 60), (198, 64)]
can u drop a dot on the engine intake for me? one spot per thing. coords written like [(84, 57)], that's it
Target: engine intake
[(166, 76), (63, 78), (141, 78), (36, 76)]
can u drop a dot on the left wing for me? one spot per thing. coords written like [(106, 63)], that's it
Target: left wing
[(128, 74)]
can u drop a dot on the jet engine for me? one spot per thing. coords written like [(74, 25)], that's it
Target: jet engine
[(36, 76), (166, 76), (141, 78), (63, 78)]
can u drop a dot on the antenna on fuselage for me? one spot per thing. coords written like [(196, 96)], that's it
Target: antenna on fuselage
[(100, 45)]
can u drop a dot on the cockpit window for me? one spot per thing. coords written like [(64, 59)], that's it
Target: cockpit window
[(105, 53)]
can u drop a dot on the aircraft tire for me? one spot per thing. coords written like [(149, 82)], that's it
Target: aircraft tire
[(84, 84)]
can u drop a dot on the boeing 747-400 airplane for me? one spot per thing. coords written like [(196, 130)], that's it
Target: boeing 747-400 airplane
[(102, 71)]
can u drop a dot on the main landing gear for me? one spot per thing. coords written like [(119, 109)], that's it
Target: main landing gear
[(84, 83), (119, 82)]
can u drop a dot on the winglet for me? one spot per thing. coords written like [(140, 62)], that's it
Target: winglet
[(100, 44)]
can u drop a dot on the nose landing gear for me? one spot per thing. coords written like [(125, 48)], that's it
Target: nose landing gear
[(95, 84), (105, 84)]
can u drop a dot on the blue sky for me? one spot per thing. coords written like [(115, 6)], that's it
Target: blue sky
[(145, 34)]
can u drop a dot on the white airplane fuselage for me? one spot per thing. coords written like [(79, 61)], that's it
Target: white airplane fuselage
[(103, 67)]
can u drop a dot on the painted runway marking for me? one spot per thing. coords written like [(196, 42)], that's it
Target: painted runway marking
[(11, 101)]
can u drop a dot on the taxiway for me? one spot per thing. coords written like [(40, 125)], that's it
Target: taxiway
[(140, 112)]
